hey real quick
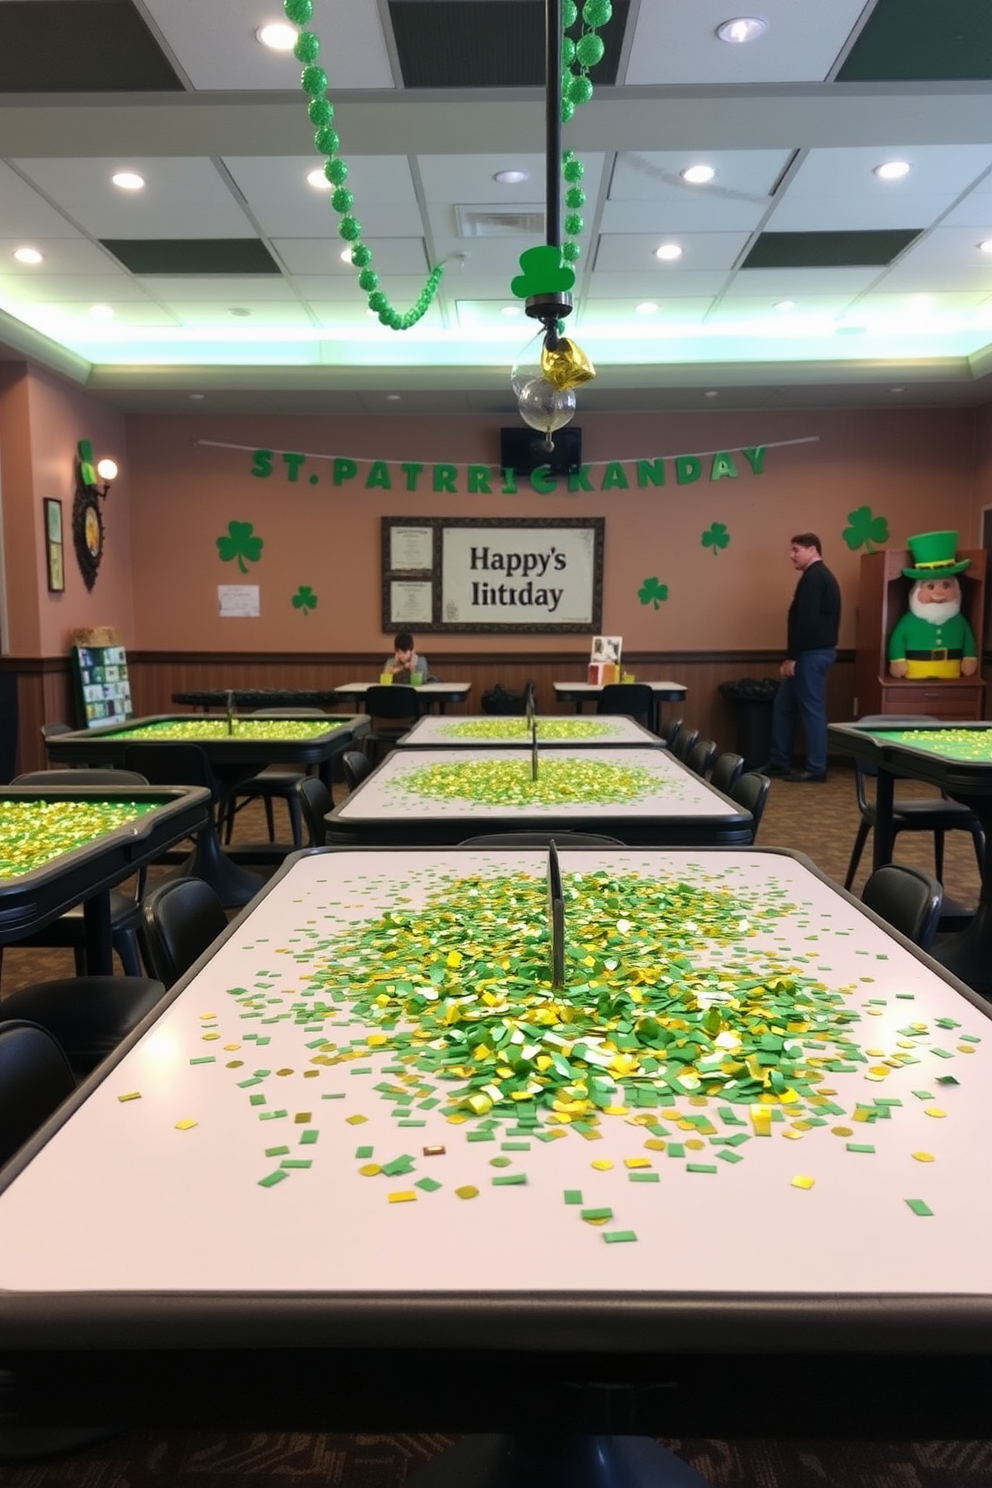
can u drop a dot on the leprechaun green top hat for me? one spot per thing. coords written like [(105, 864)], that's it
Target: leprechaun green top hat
[(933, 556)]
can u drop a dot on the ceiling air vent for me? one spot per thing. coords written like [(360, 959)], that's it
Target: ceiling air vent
[(491, 222)]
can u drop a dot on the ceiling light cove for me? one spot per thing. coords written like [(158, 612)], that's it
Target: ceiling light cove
[(742, 29), (697, 175), (277, 36), (128, 180)]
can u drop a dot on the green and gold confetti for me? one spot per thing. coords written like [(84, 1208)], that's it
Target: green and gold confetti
[(33, 832)]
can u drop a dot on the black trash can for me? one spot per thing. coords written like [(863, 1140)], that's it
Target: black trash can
[(752, 701)]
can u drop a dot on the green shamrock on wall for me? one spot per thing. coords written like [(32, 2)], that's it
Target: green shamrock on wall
[(240, 543), (865, 530), (716, 537), (304, 599), (653, 591)]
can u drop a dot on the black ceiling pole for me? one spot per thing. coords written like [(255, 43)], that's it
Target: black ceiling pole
[(552, 103)]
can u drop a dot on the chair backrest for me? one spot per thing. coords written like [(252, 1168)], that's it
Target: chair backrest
[(181, 919), (170, 764), (315, 802), (684, 741), (35, 1078), (701, 756), (541, 839), (751, 792), (635, 699), (726, 771), (83, 776), (672, 730), (907, 899), (356, 766), (392, 700)]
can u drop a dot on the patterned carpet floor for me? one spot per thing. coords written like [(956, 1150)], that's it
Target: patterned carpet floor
[(818, 820)]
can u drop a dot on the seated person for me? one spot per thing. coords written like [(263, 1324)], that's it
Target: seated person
[(404, 662)]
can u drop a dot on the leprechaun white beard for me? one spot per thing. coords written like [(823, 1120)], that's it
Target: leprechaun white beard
[(936, 614)]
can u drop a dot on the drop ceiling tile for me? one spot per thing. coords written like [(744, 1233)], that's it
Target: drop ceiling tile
[(322, 257), (738, 300), (87, 289), (947, 247), (60, 256), (676, 43), (936, 170), (284, 204), (241, 289), (469, 178), (353, 310), (689, 310), (73, 315), (215, 44), (182, 198), (623, 252), (783, 284), (741, 175), (21, 203), (219, 313), (671, 215), (657, 283)]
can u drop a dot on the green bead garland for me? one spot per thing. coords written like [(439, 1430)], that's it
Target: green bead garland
[(577, 57), (327, 142)]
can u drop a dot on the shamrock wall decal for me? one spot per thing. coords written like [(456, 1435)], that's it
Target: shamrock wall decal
[(240, 543), (304, 599), (865, 530), (653, 591), (716, 537)]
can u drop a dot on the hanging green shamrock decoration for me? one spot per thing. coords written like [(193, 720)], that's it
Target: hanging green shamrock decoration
[(304, 599), (327, 142), (866, 530), (716, 537), (240, 543), (653, 591)]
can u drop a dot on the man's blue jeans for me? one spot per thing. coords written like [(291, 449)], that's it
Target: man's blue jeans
[(803, 696)]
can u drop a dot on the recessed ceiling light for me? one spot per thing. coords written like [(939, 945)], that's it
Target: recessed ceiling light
[(277, 36), (784, 305), (27, 255), (510, 310), (511, 177), (668, 252), (897, 390), (345, 255), (647, 307), (241, 311), (128, 180), (698, 175), (102, 312), (196, 396), (986, 247), (741, 29), (319, 181), (712, 394), (392, 397), (892, 170)]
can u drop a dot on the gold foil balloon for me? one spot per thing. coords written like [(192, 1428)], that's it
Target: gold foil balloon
[(567, 366)]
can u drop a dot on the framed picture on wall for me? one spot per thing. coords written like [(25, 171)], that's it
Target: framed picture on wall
[(53, 544)]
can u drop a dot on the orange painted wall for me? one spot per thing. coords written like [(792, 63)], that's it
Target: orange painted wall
[(916, 469), (41, 423)]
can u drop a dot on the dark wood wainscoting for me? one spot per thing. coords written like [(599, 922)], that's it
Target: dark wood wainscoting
[(45, 691)]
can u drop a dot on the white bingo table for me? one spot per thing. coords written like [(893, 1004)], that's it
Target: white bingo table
[(441, 693), (368, 1170), (488, 731), (428, 797), (580, 693)]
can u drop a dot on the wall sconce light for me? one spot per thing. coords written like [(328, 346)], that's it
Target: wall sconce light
[(93, 482)]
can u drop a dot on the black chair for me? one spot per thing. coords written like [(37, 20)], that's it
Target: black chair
[(69, 930), (631, 699), (934, 814), (701, 756), (392, 710), (541, 839), (270, 784), (751, 792), (356, 766), (726, 771), (684, 741), (181, 919), (88, 1015), (907, 899), (672, 730), (35, 1078), (315, 802)]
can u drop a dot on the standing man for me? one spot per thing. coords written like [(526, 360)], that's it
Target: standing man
[(813, 627)]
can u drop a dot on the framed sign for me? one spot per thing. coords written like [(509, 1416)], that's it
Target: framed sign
[(54, 547), (492, 574)]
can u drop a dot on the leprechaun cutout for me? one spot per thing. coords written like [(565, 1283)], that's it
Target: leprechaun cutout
[(933, 639)]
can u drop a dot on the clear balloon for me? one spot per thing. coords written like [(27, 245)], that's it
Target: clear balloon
[(544, 407)]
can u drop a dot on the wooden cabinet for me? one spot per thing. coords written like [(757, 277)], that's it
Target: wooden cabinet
[(883, 596)]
